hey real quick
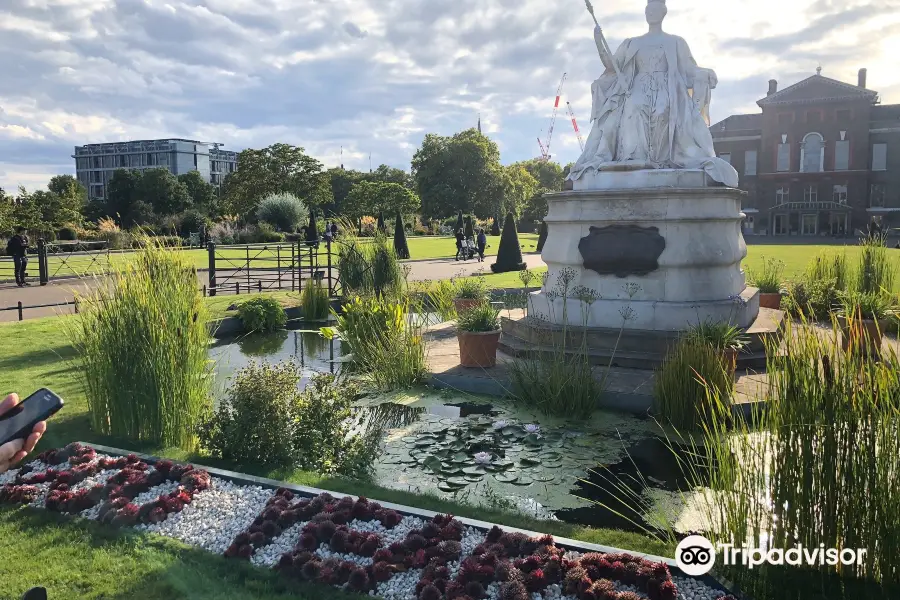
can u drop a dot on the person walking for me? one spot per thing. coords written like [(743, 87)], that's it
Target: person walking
[(334, 231), (460, 242), (17, 247), (482, 244)]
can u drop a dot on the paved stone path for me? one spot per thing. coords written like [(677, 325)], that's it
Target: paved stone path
[(63, 290)]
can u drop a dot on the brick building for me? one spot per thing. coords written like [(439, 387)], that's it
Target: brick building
[(821, 159)]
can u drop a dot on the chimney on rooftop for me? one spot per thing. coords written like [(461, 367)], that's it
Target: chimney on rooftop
[(773, 87), (862, 78)]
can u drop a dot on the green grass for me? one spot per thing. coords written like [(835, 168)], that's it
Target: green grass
[(83, 560), (422, 247)]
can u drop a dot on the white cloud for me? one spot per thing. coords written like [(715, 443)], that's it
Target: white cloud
[(374, 76)]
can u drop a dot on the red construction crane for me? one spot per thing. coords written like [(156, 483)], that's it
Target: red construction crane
[(575, 125), (545, 148)]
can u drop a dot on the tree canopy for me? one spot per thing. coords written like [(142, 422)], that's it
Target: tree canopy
[(276, 168), (458, 173), (204, 196), (368, 198)]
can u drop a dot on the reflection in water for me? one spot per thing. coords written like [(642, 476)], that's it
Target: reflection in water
[(257, 345), (377, 420)]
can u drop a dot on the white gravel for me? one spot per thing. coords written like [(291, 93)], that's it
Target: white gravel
[(155, 492), (401, 586), (694, 589), (215, 516), (268, 556)]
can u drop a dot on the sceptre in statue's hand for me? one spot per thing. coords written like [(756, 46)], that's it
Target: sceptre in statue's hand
[(606, 54)]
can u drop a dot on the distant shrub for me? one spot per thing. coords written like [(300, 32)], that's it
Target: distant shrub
[(67, 234), (265, 420), (191, 221), (262, 314), (257, 234), (283, 211)]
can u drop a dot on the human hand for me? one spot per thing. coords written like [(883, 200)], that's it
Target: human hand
[(14, 451)]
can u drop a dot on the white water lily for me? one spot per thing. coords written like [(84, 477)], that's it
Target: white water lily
[(533, 428), (500, 424), (483, 458)]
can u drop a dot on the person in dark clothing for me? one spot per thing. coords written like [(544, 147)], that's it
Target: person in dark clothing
[(334, 231), (460, 240), (482, 244), (17, 247)]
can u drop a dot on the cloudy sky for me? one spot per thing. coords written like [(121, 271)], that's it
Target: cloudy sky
[(374, 76)]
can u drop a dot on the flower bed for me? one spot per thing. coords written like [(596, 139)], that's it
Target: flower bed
[(355, 544)]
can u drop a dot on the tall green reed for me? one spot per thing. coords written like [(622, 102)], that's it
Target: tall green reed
[(314, 300), (141, 343), (875, 272), (818, 464), (560, 378)]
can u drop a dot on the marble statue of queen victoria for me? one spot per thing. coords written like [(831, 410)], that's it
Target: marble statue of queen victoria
[(650, 107)]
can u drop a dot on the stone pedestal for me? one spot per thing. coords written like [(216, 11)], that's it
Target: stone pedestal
[(660, 250)]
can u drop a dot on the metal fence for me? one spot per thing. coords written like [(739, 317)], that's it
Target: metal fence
[(262, 267)]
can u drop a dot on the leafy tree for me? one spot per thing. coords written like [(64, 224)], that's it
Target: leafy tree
[(342, 181), (386, 174), (509, 254), (380, 223), (519, 186), (204, 196), (63, 203), (162, 190), (368, 198), (312, 230), (459, 173), (67, 185), (122, 196), (400, 245), (495, 226), (550, 177), (277, 168)]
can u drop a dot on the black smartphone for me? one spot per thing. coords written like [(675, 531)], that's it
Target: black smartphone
[(18, 423)]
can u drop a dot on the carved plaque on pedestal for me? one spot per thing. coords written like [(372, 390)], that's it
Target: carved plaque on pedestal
[(622, 250)]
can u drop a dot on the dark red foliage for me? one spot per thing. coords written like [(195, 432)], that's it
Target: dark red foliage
[(271, 529), (513, 590), (340, 517), (245, 551), (308, 542), (311, 569), (325, 530), (628, 596), (285, 493), (535, 581), (475, 590), (430, 592), (668, 590), (340, 541), (390, 518), (359, 580), (157, 515), (370, 546), (382, 571)]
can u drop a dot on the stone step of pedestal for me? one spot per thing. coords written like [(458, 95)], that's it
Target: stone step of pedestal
[(625, 359), (632, 348)]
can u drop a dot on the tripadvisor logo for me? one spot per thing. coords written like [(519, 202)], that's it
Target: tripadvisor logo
[(696, 555)]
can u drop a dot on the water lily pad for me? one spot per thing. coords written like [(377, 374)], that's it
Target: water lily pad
[(474, 478), (458, 481), (529, 461), (460, 457), (476, 470), (506, 477), (451, 471), (446, 486), (532, 439), (543, 477), (502, 465), (509, 431), (523, 480), (433, 463)]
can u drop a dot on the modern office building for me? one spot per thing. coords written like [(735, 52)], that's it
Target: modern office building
[(821, 159), (96, 163)]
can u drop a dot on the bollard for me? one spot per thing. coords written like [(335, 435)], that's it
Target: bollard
[(237, 288), (20, 311), (259, 285)]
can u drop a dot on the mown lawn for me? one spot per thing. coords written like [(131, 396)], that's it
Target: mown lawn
[(84, 560), (420, 248)]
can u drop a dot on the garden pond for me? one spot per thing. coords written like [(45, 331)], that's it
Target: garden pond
[(611, 470)]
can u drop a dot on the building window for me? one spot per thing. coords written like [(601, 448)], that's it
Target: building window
[(726, 157), (840, 194), (779, 224), (785, 119), (782, 196), (809, 224), (876, 195), (784, 158), (842, 156), (750, 162), (812, 153), (811, 194), (842, 115), (879, 157)]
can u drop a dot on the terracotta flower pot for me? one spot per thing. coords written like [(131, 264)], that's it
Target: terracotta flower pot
[(478, 349), (770, 301), (463, 304), (865, 334), (729, 360)]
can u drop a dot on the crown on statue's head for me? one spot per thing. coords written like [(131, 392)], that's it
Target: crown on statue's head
[(652, 1)]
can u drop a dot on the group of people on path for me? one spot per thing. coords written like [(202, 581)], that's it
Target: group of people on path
[(467, 247)]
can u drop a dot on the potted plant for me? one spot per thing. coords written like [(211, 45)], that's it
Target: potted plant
[(478, 331), (727, 338), (469, 292), (863, 318), (769, 283)]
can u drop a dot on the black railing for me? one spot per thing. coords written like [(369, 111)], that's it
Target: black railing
[(272, 266)]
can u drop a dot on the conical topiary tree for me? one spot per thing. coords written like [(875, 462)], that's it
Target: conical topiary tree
[(380, 224), (459, 222), (312, 232), (509, 255), (400, 245), (470, 228), (542, 237), (495, 228)]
